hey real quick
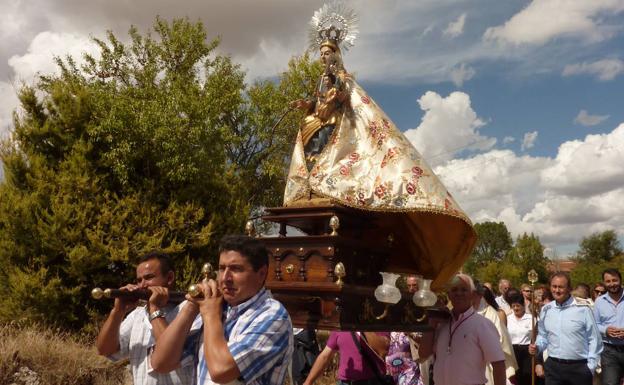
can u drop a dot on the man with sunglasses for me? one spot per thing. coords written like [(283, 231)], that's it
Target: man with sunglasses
[(609, 313)]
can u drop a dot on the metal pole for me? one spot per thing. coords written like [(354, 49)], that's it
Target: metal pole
[(532, 279)]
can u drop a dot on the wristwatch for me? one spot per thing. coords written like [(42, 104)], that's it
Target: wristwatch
[(156, 314)]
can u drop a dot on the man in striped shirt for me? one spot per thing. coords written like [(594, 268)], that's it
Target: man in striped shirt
[(247, 336)]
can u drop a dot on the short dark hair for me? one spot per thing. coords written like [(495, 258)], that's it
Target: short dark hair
[(251, 248), (516, 298), (561, 274), (612, 271), (511, 292), (165, 261)]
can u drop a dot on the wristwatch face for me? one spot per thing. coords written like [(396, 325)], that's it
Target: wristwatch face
[(156, 314)]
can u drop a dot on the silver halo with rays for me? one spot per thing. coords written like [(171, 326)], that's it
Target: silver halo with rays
[(335, 22)]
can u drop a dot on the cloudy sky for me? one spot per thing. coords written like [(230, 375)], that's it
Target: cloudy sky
[(518, 105)]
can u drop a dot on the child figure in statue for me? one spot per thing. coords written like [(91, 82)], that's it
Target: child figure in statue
[(324, 112)]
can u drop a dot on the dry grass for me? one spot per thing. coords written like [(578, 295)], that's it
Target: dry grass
[(49, 357), (56, 358)]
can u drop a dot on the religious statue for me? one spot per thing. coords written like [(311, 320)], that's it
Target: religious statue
[(349, 152)]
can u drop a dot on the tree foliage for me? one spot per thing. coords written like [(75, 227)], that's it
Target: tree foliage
[(155, 144), (597, 252), (528, 254), (599, 247), (498, 257), (493, 244)]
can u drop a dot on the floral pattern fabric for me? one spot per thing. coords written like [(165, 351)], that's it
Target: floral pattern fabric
[(399, 362), (369, 164)]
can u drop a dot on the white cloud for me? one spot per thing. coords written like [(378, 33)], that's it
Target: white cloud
[(8, 95), (544, 20), (38, 60), (588, 167), (487, 184), (462, 74), (508, 139), (561, 199), (271, 59), (585, 119), (455, 28), (606, 69), (528, 141), (42, 50), (448, 127)]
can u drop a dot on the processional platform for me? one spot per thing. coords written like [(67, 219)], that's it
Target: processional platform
[(305, 270)]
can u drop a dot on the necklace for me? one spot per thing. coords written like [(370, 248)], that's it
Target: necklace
[(452, 331)]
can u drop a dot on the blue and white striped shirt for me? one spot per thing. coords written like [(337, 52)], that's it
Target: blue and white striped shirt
[(260, 338)]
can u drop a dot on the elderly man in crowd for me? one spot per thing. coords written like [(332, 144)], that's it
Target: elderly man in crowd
[(503, 286), (466, 343), (568, 330)]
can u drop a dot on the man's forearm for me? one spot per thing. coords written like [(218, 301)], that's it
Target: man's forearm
[(168, 350), (498, 373), (107, 342), (219, 360)]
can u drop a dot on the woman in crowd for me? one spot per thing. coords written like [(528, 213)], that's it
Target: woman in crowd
[(488, 296), (598, 290), (519, 326), (526, 294), (542, 296), (485, 304), (510, 293)]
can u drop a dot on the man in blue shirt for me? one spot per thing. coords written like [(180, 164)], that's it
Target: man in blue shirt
[(247, 336), (569, 332), (609, 313)]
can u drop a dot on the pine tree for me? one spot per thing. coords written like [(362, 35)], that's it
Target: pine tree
[(158, 144)]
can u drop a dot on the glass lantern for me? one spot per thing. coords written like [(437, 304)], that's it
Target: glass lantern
[(387, 292), (424, 297)]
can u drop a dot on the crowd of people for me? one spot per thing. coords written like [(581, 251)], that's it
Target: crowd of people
[(236, 333)]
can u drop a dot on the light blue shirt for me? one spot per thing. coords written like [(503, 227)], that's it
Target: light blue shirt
[(609, 313), (569, 332)]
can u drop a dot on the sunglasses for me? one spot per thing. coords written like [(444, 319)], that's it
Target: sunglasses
[(600, 291)]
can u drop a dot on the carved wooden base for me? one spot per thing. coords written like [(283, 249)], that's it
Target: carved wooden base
[(301, 271)]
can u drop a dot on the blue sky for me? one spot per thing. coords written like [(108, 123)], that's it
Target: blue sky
[(518, 104)]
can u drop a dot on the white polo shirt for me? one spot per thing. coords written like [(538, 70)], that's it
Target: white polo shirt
[(463, 349)]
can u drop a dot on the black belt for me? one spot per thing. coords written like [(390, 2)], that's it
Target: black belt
[(562, 361), (619, 348)]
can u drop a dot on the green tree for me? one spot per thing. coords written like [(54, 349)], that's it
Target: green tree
[(155, 144), (493, 244), (599, 247), (528, 254), (597, 252), (497, 270)]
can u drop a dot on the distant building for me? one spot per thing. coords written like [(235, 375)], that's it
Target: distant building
[(561, 265)]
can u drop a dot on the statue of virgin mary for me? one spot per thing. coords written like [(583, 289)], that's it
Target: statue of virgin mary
[(349, 152)]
